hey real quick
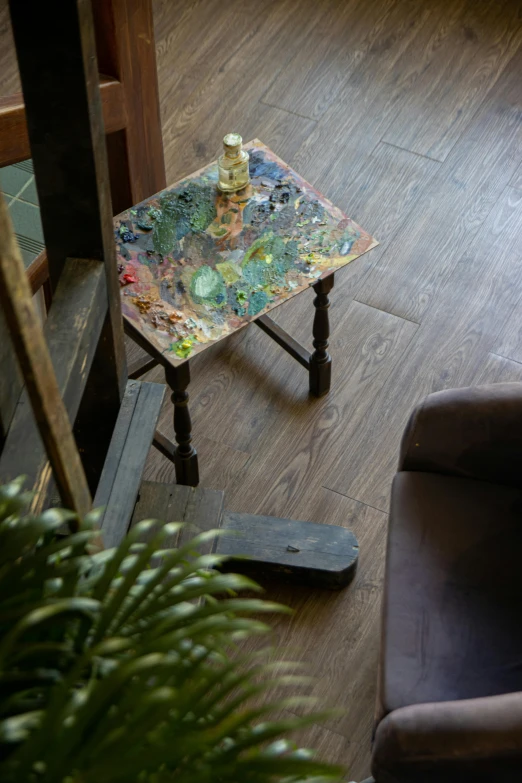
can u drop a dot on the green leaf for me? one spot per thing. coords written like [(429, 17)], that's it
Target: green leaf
[(126, 665), (70, 607)]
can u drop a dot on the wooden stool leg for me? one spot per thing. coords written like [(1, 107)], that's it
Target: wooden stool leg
[(187, 470), (320, 360)]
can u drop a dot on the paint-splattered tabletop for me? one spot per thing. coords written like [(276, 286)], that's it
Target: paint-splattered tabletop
[(195, 264)]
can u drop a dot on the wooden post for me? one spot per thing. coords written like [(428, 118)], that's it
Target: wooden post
[(126, 51), (321, 361), (187, 470), (59, 74)]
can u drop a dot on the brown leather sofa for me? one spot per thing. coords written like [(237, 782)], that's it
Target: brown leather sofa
[(450, 683)]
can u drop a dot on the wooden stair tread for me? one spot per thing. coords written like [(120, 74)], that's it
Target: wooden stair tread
[(121, 476), (199, 509)]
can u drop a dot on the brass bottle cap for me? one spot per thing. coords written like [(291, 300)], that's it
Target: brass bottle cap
[(232, 144)]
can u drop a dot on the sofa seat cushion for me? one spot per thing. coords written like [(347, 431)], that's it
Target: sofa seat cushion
[(452, 613)]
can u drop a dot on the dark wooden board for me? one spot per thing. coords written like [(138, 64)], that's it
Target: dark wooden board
[(130, 444), (126, 50), (319, 555), (49, 415), (199, 509), (60, 82), (119, 437), (71, 331)]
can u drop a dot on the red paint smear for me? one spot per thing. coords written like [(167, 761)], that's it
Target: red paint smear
[(128, 279)]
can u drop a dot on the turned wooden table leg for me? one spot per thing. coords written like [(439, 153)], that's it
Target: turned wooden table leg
[(320, 360), (187, 470)]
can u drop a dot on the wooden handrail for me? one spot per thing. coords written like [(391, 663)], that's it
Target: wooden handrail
[(14, 141), (38, 272)]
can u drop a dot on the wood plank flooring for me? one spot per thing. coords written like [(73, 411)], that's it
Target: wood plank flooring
[(408, 116)]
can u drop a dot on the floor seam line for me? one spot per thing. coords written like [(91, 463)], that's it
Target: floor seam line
[(354, 499), (288, 111), (411, 152), (408, 320)]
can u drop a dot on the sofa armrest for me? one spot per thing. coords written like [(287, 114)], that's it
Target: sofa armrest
[(454, 742), (474, 432)]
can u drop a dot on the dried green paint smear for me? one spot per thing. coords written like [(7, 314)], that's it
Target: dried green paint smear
[(192, 209), (268, 260), (231, 272), (183, 347), (208, 287), (258, 301)]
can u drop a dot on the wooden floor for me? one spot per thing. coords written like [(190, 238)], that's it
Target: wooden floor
[(408, 115)]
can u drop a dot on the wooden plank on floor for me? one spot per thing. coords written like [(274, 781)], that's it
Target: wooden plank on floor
[(331, 51), (307, 435), (453, 207), (323, 556), (241, 79), (471, 59), (235, 372), (496, 369), (218, 463), (119, 437), (380, 198), (509, 342), (472, 309), (336, 634), (386, 190), (199, 509), (337, 149), (335, 748), (130, 444)]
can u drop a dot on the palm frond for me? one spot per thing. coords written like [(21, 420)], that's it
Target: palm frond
[(122, 666)]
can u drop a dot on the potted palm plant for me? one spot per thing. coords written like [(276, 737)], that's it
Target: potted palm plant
[(123, 665)]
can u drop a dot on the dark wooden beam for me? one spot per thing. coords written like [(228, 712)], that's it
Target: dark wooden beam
[(14, 138), (126, 51), (123, 469), (60, 82), (282, 338)]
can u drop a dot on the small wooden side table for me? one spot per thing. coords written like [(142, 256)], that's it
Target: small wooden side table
[(196, 265)]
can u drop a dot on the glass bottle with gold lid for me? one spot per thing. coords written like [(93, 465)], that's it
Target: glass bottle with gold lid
[(233, 165)]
